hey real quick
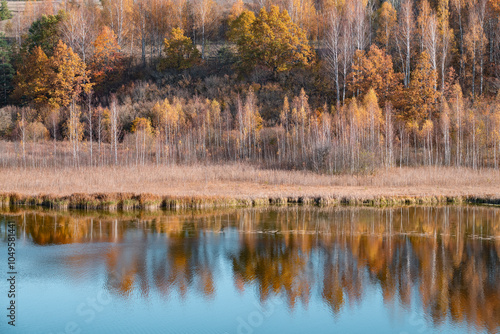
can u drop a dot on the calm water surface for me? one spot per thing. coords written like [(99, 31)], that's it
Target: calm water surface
[(292, 270)]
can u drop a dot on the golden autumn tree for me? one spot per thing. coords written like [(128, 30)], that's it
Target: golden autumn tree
[(53, 82), (271, 40), (68, 80), (236, 9), (68, 76), (421, 97), (107, 63), (386, 22), (371, 104), (475, 44), (141, 124), (180, 52), (373, 121), (373, 70), (32, 79), (495, 5)]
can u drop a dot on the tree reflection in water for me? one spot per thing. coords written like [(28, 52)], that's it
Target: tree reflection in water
[(450, 255)]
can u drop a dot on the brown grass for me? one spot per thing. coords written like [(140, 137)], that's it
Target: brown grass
[(243, 181)]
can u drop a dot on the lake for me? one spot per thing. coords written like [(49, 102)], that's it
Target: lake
[(274, 270)]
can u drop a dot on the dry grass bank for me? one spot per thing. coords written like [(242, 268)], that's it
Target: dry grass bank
[(246, 184), (247, 181)]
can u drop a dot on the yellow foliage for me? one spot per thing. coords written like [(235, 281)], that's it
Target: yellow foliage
[(106, 63), (53, 82), (386, 20), (141, 124), (180, 52), (271, 40)]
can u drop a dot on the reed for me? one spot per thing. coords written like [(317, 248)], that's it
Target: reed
[(239, 185), (129, 202)]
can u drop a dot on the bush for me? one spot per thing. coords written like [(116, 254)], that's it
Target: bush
[(6, 123), (180, 52)]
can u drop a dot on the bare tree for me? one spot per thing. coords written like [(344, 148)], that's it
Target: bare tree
[(118, 14), (404, 38), (115, 127), (431, 39), (79, 30), (205, 13), (21, 124), (333, 48)]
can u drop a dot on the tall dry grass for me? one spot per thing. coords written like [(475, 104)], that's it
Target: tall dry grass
[(240, 180)]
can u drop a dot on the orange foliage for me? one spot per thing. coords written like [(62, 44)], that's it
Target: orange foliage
[(373, 69), (107, 63)]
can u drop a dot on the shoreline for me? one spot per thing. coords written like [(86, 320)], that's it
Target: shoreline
[(239, 185), (113, 202)]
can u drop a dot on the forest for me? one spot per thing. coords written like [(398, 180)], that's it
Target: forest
[(330, 86)]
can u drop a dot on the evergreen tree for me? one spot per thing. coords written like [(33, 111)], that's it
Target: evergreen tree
[(45, 33), (5, 13), (6, 71)]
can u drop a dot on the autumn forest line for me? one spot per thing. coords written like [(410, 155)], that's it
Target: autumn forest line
[(329, 86)]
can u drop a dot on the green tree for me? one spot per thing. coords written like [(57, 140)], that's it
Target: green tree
[(180, 52), (271, 40), (44, 32), (6, 70), (5, 13), (241, 33)]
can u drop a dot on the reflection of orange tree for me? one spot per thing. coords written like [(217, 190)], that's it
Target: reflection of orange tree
[(126, 266), (120, 277), (454, 275), (46, 229), (184, 263), (187, 263), (274, 267), (400, 248), (464, 288), (341, 278), (441, 251)]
